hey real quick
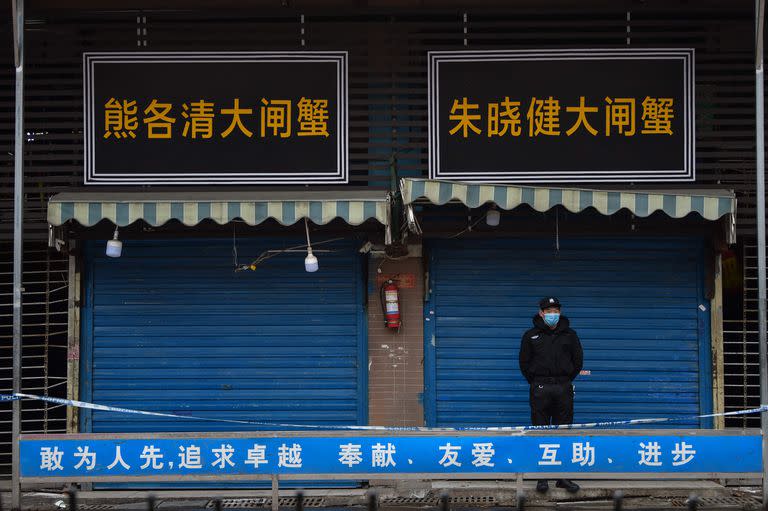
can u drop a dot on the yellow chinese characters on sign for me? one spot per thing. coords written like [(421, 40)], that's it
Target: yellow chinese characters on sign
[(312, 117), (237, 122), (276, 116), (620, 115), (543, 117), (504, 118), (462, 113), (120, 118), (657, 116), (159, 124), (582, 110), (199, 119)]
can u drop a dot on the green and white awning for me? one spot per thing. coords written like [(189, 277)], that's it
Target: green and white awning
[(191, 208), (710, 204)]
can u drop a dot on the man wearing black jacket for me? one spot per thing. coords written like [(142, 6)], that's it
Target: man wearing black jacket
[(550, 359)]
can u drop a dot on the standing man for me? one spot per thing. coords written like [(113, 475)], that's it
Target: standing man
[(550, 359)]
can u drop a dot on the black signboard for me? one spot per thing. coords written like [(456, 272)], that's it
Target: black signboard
[(562, 115), (215, 118)]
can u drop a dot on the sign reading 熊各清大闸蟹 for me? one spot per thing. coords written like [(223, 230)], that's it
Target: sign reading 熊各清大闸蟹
[(562, 115), (215, 118), (240, 454)]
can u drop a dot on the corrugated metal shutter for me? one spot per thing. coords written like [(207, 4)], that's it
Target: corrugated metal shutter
[(171, 327), (635, 306)]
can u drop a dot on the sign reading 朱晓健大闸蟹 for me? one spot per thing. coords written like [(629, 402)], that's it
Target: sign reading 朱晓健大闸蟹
[(215, 118), (239, 455), (562, 115)]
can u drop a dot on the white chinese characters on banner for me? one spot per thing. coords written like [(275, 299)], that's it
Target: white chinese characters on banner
[(257, 456), (450, 456), (50, 459), (382, 456), (549, 455), (651, 455), (189, 457), (215, 458), (86, 457), (683, 454), (223, 456), (583, 454), (483, 454), (350, 454), (289, 457), (118, 460), (152, 457)]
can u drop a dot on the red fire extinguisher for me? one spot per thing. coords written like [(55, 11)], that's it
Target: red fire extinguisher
[(390, 302)]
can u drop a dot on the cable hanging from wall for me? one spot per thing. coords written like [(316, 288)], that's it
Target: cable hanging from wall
[(310, 265)]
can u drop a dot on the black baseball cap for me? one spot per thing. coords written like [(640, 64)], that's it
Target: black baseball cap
[(549, 301)]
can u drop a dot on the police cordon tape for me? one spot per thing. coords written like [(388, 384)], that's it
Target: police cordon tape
[(588, 425)]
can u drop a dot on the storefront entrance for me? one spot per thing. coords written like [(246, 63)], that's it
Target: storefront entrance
[(639, 307), (171, 327)]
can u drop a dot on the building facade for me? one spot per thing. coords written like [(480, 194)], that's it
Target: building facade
[(182, 322)]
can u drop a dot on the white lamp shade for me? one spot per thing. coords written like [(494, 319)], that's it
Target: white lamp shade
[(310, 263), (114, 248), (493, 217)]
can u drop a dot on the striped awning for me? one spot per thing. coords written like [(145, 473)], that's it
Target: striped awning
[(710, 204), (191, 208)]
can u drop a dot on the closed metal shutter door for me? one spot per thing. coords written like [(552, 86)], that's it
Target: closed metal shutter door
[(634, 304), (171, 327)]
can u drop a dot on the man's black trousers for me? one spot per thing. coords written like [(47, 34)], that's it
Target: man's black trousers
[(551, 403)]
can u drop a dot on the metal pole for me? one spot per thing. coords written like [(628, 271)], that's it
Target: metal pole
[(761, 292), (18, 244)]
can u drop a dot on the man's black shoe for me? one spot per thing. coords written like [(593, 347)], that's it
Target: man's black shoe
[(569, 486), (543, 486)]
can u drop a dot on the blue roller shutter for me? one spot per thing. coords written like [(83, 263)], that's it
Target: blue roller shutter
[(635, 304), (171, 327)]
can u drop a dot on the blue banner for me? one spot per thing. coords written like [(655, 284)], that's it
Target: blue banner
[(387, 454)]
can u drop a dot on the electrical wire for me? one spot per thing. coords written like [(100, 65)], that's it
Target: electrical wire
[(269, 254), (234, 245), (387, 258), (469, 228)]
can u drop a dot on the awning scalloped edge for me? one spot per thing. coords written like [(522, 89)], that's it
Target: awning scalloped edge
[(158, 213), (674, 203)]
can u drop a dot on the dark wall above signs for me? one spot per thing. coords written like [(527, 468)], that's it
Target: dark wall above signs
[(357, 4)]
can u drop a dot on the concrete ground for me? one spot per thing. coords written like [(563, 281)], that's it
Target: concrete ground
[(417, 496)]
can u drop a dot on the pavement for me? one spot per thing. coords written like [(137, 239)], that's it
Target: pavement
[(417, 496)]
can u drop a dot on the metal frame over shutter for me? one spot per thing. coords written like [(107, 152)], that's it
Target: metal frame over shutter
[(638, 307), (171, 327)]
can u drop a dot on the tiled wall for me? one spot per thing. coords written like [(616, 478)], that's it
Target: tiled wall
[(396, 358)]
